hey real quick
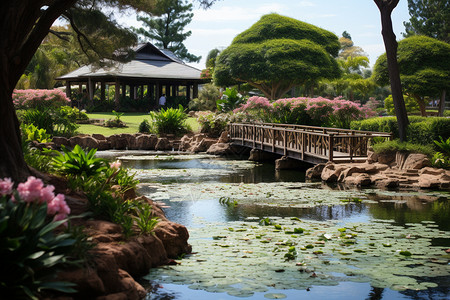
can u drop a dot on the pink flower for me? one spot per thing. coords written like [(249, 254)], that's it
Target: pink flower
[(58, 205), (6, 186), (59, 217), (47, 194), (30, 190), (115, 165)]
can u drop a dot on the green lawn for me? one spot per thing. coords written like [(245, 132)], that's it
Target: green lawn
[(131, 119)]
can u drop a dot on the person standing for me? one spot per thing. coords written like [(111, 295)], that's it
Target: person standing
[(162, 100)]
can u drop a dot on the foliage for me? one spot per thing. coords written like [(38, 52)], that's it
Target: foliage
[(411, 105), (144, 218), (444, 145), (116, 122), (212, 124), (167, 29), (32, 133), (73, 113), (439, 160), (127, 104), (396, 145), (31, 253), (422, 130), (78, 163), (277, 53), (144, 127), (230, 100), (424, 65), (430, 18), (207, 98), (39, 99), (305, 111), (170, 120)]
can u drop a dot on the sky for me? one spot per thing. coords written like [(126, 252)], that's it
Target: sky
[(216, 27)]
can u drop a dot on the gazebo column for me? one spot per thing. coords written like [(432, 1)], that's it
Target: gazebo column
[(141, 94), (188, 92), (102, 89), (91, 90), (158, 92), (80, 88), (116, 94), (195, 91), (132, 92), (174, 90), (124, 90), (68, 89)]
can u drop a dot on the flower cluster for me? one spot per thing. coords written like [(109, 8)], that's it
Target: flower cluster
[(305, 111), (34, 191), (55, 98)]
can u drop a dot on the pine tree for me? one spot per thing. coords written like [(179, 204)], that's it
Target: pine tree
[(168, 29)]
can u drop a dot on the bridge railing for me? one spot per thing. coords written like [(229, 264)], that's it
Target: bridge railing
[(300, 141)]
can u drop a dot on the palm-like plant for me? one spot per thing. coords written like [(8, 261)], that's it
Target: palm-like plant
[(170, 120), (79, 163)]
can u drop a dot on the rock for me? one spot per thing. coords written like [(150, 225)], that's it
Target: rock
[(131, 141), (87, 281), (358, 179), (203, 145), (115, 296), (224, 137), (331, 172), (220, 149), (431, 171), (99, 137), (315, 172), (174, 237), (61, 141), (146, 142), (163, 144), (103, 145), (286, 163), (259, 155), (416, 161), (427, 181), (117, 142), (386, 158), (372, 157), (85, 142)]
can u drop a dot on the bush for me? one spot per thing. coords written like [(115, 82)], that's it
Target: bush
[(144, 127), (206, 99), (31, 253), (39, 99), (32, 133), (170, 121), (396, 145), (230, 100), (411, 105), (422, 130), (116, 122), (212, 124)]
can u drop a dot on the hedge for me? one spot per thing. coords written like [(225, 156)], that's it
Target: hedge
[(422, 130)]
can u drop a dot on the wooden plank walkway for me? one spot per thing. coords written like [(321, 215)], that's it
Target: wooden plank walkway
[(307, 143)]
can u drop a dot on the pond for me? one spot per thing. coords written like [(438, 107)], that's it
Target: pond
[(261, 234)]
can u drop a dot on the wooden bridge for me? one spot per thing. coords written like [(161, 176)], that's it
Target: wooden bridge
[(307, 143)]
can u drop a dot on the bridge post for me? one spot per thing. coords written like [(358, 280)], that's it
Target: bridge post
[(330, 146), (254, 135), (303, 144), (285, 142), (273, 139)]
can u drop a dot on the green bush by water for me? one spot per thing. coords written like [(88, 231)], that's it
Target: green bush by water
[(170, 121)]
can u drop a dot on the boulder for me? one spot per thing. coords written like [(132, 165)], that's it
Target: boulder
[(427, 181), (99, 137), (61, 141), (146, 142), (174, 238), (286, 163), (416, 161), (224, 137), (203, 145), (117, 142), (315, 172), (259, 155), (85, 142), (386, 158), (220, 149), (331, 172), (358, 179), (163, 144)]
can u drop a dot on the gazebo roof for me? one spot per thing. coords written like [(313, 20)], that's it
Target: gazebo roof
[(149, 63)]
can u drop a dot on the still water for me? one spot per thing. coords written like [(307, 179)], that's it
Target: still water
[(318, 242)]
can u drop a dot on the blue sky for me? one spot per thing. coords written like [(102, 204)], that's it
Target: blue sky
[(217, 26)]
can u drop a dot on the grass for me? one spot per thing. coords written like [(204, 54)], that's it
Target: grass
[(131, 119), (396, 145)]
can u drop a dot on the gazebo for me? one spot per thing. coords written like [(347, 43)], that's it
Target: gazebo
[(152, 70)]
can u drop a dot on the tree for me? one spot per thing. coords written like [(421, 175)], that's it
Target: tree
[(390, 43), (278, 53), (168, 29), (430, 18), (424, 68), (24, 26), (211, 58)]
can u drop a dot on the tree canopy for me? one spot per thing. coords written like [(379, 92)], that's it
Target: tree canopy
[(278, 53), (167, 29), (424, 67), (430, 18)]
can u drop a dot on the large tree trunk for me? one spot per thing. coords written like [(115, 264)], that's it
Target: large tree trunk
[(23, 26), (422, 106), (386, 7)]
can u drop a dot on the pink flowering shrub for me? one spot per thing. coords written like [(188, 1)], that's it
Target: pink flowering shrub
[(305, 111), (39, 99), (34, 191)]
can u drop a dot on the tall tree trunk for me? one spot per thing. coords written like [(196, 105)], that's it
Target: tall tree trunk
[(390, 43), (23, 26), (442, 104)]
